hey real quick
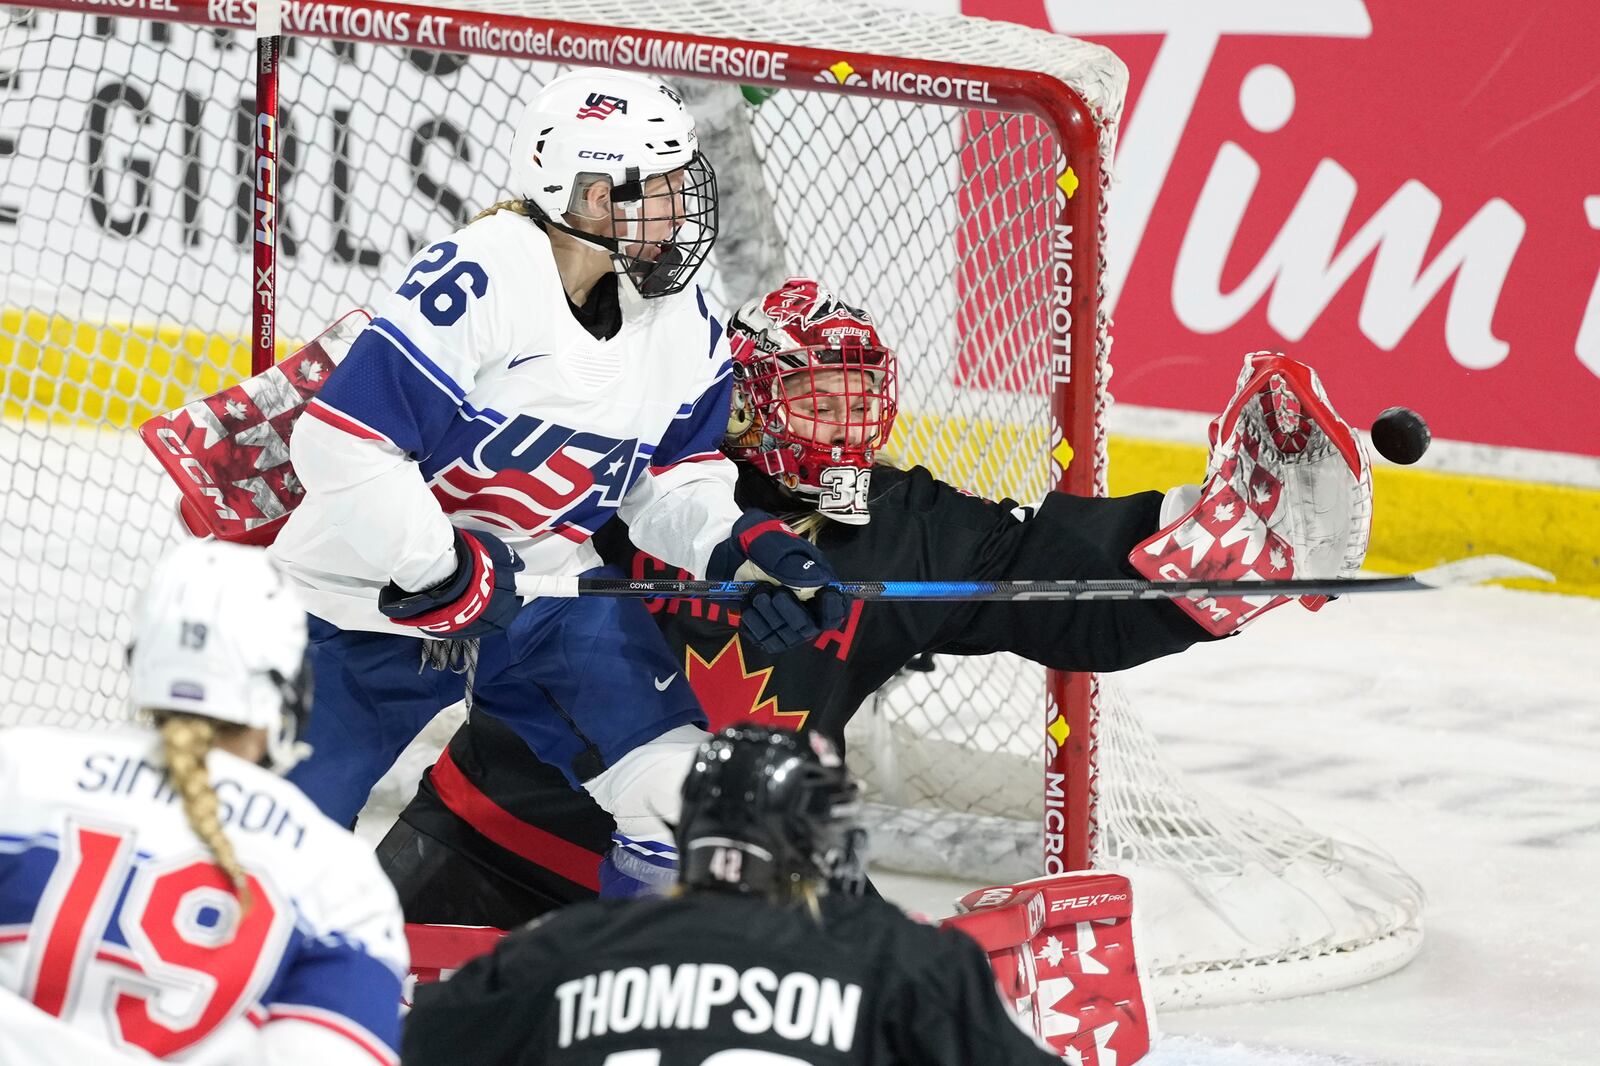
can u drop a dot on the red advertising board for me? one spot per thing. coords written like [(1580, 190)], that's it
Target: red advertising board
[(1406, 194)]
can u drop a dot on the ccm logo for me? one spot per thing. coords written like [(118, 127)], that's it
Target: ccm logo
[(590, 154), (197, 473), (478, 598), (1087, 901)]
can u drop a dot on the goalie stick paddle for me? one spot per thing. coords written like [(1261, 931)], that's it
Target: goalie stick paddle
[(1470, 571)]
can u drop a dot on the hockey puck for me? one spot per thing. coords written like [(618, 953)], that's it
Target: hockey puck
[(1400, 435)]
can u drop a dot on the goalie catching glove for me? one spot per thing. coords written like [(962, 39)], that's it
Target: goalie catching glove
[(1288, 494), (478, 598), (801, 605)]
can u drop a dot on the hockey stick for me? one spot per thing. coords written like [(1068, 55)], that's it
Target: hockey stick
[(264, 287), (1470, 571)]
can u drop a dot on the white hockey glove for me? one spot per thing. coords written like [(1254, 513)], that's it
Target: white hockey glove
[(1288, 493)]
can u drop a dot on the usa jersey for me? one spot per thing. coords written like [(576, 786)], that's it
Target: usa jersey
[(116, 921), (475, 399)]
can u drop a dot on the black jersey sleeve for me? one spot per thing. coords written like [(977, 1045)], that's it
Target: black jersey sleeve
[(1065, 537), (481, 1014), (945, 1010)]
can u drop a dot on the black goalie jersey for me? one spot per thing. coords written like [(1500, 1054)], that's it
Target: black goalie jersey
[(494, 837), (713, 979)]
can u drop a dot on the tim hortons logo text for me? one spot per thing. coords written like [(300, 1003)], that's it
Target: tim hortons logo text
[(1262, 209)]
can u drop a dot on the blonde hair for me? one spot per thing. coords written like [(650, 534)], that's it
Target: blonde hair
[(805, 896), (524, 207), (808, 524), (186, 740), (516, 207)]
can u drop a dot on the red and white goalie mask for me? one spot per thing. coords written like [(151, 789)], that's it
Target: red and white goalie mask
[(813, 395)]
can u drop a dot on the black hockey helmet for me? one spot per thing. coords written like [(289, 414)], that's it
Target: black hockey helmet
[(769, 812)]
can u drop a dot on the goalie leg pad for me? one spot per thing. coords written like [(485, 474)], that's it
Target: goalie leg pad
[(1062, 949), (1288, 494)]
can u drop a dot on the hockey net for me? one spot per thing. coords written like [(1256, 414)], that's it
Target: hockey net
[(918, 165)]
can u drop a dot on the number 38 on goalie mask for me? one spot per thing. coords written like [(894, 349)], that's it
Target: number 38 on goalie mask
[(814, 395), (612, 159)]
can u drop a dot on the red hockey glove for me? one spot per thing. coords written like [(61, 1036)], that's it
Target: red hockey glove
[(801, 605), (1288, 493), (480, 597), (1062, 952)]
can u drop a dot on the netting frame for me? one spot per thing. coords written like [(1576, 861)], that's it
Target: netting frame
[(1084, 735), (1078, 325)]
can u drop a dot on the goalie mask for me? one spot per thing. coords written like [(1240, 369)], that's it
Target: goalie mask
[(220, 634), (632, 134), (813, 397), (769, 812)]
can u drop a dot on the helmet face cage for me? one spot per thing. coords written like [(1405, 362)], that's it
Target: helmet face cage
[(767, 812), (812, 415), (662, 226)]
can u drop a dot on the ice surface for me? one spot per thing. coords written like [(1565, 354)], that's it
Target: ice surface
[(1460, 731)]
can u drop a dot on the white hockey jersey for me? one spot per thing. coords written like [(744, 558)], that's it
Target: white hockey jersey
[(115, 921), (474, 398)]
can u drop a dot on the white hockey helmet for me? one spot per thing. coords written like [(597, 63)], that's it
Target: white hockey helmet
[(221, 634), (594, 123)]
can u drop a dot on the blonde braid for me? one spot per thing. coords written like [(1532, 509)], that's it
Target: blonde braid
[(187, 739), (516, 207)]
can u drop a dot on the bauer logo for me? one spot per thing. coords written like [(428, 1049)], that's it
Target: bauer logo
[(601, 106)]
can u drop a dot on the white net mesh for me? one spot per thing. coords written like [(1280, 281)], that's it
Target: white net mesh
[(125, 190)]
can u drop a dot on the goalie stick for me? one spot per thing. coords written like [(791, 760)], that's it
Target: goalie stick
[(1473, 570)]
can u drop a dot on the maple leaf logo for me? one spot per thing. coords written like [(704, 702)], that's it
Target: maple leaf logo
[(732, 694), (1224, 512), (311, 371), (236, 410), (1052, 951)]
